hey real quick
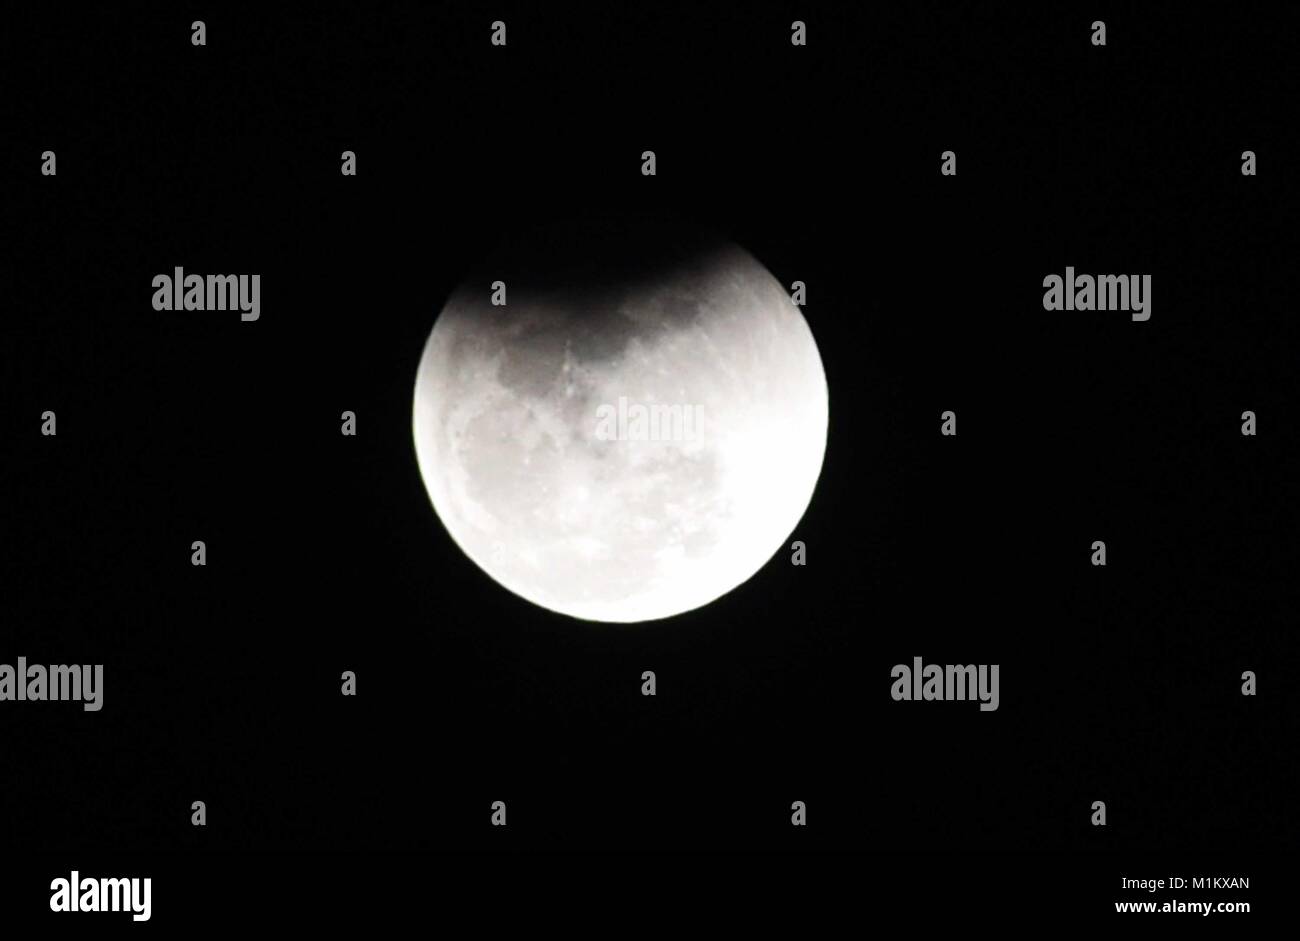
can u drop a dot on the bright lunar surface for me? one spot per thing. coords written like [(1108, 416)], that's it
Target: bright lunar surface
[(621, 441)]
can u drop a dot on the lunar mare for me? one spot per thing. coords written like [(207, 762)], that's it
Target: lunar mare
[(511, 429)]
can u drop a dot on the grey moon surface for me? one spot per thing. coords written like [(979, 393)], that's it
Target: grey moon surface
[(625, 527)]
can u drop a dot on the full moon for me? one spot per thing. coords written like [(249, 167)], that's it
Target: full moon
[(620, 424)]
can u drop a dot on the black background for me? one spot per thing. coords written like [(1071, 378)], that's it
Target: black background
[(1119, 684)]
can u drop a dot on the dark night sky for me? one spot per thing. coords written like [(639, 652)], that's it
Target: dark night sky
[(924, 294)]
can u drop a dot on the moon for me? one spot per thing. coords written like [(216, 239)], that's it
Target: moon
[(620, 426)]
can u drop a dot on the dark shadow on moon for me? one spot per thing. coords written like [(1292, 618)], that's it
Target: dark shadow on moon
[(600, 258), (572, 286)]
